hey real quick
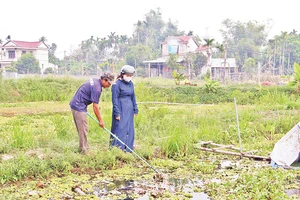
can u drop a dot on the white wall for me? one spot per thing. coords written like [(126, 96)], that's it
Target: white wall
[(191, 46), (42, 56), (183, 48)]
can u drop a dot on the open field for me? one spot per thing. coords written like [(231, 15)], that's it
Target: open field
[(40, 158)]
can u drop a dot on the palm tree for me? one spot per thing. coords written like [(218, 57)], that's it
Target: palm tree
[(112, 39), (138, 30), (208, 44), (146, 27), (223, 49), (43, 39), (294, 32), (123, 39)]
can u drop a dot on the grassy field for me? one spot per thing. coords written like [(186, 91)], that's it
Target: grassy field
[(39, 147)]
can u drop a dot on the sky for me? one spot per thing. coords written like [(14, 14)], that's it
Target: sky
[(68, 22)]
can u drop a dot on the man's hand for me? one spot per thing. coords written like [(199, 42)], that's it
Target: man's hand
[(101, 123), (118, 118), (98, 115)]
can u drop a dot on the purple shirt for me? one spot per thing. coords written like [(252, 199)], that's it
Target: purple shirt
[(87, 93)]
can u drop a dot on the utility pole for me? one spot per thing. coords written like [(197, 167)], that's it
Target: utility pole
[(65, 62), (274, 60), (225, 58), (189, 65), (135, 67), (149, 72)]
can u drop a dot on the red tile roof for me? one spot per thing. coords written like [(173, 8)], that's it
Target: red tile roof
[(184, 39), (23, 44), (202, 48)]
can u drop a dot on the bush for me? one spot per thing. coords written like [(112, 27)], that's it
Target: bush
[(62, 89), (48, 70)]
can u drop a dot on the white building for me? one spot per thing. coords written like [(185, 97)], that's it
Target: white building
[(177, 45), (219, 69), (13, 50)]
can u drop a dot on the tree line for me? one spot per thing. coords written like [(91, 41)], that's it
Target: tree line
[(247, 42)]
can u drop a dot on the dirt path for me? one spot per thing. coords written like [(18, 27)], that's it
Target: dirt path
[(28, 108)]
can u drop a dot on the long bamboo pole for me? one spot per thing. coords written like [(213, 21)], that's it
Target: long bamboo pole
[(235, 153), (238, 125)]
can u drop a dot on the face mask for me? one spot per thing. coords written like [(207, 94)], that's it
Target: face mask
[(127, 78)]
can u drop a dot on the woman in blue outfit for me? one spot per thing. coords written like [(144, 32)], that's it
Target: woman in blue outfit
[(124, 109)]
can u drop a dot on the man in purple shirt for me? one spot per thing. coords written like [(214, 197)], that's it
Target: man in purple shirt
[(88, 93)]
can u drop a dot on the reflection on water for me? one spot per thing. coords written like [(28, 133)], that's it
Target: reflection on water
[(293, 192), (147, 189), (120, 184)]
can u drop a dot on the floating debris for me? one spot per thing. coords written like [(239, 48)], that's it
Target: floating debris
[(200, 196), (158, 177), (78, 190), (33, 193)]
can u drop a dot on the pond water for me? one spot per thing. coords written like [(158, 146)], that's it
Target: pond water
[(150, 188)]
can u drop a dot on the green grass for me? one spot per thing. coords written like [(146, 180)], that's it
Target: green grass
[(157, 89), (37, 128)]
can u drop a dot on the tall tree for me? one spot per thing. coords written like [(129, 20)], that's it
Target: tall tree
[(188, 62), (123, 46), (51, 54), (138, 29), (208, 43), (250, 67), (173, 64), (198, 63), (244, 39), (222, 49), (148, 31), (286, 50), (171, 29), (137, 54)]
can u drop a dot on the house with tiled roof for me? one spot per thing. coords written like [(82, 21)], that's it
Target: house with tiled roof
[(12, 50), (179, 45)]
